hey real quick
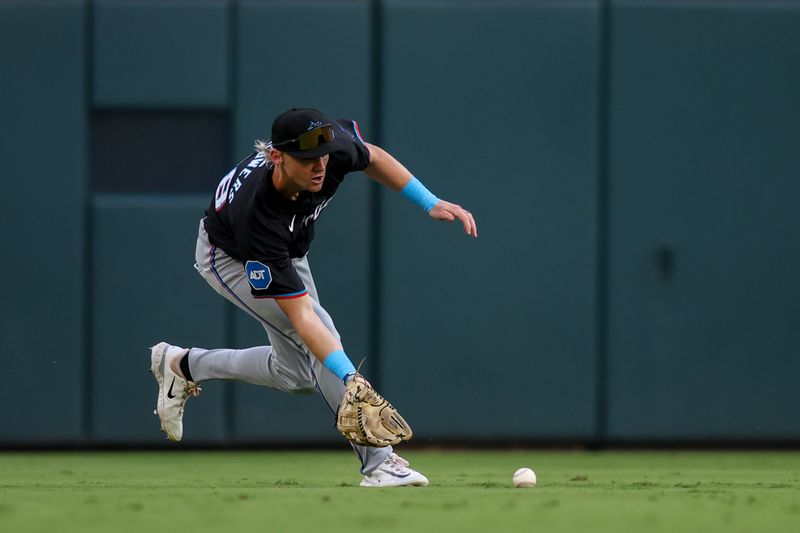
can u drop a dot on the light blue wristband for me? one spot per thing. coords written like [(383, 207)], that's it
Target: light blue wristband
[(415, 191), (339, 364)]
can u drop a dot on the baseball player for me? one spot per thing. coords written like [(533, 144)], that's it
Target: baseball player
[(251, 248)]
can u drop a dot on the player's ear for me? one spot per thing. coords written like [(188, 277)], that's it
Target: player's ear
[(276, 156)]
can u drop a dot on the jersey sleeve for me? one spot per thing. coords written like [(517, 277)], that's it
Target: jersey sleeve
[(269, 267), (353, 154)]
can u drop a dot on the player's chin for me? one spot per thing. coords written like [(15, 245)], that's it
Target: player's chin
[(316, 185)]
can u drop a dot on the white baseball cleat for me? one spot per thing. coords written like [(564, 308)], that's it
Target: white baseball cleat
[(394, 472), (173, 390)]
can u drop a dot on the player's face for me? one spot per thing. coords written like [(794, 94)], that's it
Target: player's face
[(305, 174)]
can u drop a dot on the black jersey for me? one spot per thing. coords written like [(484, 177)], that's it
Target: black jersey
[(253, 223)]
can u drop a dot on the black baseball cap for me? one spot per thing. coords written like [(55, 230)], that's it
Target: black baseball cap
[(303, 132)]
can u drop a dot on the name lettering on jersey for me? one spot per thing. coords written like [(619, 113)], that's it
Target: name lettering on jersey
[(258, 161), (225, 193), (258, 275)]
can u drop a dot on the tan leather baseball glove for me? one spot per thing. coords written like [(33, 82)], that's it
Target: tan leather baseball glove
[(366, 418)]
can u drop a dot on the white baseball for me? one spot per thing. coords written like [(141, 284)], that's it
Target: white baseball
[(524, 477)]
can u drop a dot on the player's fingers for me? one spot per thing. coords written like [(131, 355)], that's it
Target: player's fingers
[(449, 212), (473, 225), (466, 219)]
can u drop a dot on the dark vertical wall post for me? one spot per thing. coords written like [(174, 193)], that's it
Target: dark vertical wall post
[(601, 265), (375, 215)]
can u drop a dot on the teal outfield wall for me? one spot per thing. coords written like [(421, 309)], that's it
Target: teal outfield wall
[(632, 166), (507, 320), (704, 229)]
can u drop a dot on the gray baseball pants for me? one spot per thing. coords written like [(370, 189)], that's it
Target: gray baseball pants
[(286, 364)]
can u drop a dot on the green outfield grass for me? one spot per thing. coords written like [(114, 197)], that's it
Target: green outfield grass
[(470, 491)]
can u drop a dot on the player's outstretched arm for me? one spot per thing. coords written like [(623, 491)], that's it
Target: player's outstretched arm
[(308, 325), (388, 171), (317, 337)]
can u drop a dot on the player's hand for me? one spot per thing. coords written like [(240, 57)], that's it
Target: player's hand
[(449, 212)]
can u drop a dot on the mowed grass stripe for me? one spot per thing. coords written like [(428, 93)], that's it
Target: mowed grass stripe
[(470, 491)]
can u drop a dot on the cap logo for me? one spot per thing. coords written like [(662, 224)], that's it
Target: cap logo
[(314, 124)]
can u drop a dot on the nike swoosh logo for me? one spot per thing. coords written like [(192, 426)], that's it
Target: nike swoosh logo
[(291, 226), (169, 392)]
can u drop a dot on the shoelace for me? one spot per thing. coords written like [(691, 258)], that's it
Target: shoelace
[(395, 459), (192, 389)]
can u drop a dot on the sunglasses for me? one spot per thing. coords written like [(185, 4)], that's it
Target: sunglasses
[(310, 139)]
